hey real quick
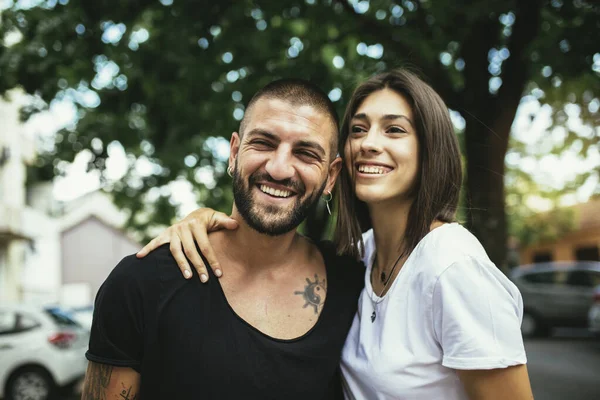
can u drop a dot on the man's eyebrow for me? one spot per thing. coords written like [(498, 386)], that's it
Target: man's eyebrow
[(300, 143), (388, 117), (311, 145), (262, 132)]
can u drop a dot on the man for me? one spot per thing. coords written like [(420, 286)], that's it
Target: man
[(274, 326)]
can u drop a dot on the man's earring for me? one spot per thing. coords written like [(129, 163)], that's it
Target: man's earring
[(327, 200), (230, 171)]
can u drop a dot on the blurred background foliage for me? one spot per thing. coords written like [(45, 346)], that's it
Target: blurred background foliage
[(167, 80)]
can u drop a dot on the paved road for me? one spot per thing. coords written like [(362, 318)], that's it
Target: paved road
[(564, 367)]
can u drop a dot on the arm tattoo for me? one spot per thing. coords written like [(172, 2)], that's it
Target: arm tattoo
[(312, 293), (126, 394), (97, 379)]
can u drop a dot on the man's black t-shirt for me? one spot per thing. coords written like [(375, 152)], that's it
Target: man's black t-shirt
[(188, 343)]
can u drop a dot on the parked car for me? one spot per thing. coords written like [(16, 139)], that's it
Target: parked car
[(41, 350), (555, 294), (594, 313), (82, 315)]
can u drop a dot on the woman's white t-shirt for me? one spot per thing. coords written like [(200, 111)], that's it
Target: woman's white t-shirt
[(449, 308)]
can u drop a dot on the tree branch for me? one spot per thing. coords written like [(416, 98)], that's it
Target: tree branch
[(434, 71), (516, 70)]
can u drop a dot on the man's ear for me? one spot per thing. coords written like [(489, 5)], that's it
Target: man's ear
[(334, 171), (234, 147)]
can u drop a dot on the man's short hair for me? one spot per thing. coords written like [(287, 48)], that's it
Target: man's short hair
[(297, 92)]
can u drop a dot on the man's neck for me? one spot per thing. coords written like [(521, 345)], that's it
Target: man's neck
[(255, 251)]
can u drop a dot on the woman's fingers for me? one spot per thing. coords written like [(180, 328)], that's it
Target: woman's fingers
[(221, 220), (183, 237), (201, 237), (154, 244), (189, 248), (179, 256)]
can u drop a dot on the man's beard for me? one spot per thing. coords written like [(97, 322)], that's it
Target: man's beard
[(285, 219)]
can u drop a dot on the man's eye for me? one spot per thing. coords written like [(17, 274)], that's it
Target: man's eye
[(261, 143), (307, 154)]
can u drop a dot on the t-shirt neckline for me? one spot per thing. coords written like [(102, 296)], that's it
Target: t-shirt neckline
[(369, 287), (326, 260)]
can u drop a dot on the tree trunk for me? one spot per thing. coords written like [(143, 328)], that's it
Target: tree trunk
[(489, 121), (486, 217)]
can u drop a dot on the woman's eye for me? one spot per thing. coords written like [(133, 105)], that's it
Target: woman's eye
[(396, 129), (357, 129)]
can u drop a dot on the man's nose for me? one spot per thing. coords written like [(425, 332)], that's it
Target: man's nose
[(279, 166)]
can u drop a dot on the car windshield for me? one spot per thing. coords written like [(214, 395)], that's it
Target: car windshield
[(61, 317)]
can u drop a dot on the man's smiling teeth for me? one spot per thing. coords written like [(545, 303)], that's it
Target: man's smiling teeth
[(275, 192), (371, 169)]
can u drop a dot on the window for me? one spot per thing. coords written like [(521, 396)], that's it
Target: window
[(580, 278), (540, 277), (11, 322), (542, 256), (60, 317), (25, 323), (587, 253), (7, 322), (595, 276)]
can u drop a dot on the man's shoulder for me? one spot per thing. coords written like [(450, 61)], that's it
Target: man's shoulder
[(132, 269)]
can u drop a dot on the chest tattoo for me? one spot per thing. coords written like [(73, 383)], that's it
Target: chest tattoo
[(313, 293)]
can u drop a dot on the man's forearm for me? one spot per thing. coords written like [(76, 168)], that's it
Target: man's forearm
[(105, 382)]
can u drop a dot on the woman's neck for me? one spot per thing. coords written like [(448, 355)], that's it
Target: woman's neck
[(389, 228)]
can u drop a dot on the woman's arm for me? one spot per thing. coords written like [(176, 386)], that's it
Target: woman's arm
[(497, 384), (183, 237), (477, 319)]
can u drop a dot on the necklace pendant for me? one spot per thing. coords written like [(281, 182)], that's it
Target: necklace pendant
[(373, 316)]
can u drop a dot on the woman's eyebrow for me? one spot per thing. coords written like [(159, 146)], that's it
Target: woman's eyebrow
[(388, 117), (361, 116), (397, 116)]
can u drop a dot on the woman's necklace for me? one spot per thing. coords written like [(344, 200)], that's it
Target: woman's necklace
[(385, 285)]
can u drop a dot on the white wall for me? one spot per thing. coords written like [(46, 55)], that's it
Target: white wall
[(41, 274), (32, 271), (12, 194)]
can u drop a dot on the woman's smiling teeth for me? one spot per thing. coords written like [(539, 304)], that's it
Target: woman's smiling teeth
[(275, 192), (372, 169)]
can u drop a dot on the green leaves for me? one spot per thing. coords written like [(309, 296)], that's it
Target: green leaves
[(173, 74)]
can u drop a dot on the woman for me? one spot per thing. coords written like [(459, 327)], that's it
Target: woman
[(436, 319)]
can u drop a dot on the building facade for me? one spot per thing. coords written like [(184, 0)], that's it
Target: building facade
[(17, 150), (583, 243), (50, 253)]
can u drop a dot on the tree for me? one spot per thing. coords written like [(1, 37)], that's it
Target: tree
[(164, 78), (538, 209)]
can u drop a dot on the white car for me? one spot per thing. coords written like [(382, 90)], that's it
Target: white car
[(82, 315), (594, 313), (41, 350)]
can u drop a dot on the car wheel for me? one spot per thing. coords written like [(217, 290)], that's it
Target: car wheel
[(533, 326), (30, 383)]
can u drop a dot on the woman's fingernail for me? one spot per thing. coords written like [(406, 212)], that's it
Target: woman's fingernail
[(203, 278), (187, 273), (218, 273)]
